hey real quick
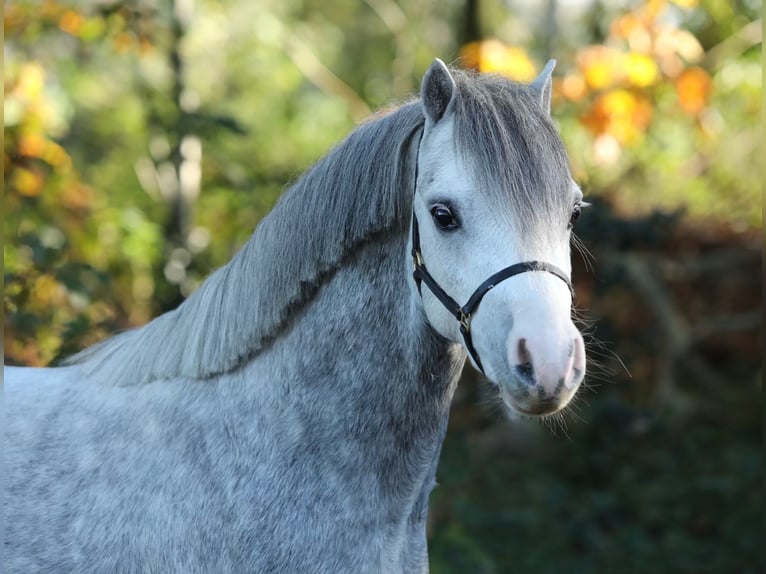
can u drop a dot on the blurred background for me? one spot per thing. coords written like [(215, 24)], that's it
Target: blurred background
[(144, 140)]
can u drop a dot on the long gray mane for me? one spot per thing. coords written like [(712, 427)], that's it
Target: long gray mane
[(361, 189)]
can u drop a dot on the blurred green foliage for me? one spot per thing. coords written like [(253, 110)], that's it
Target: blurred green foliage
[(628, 492), (144, 141)]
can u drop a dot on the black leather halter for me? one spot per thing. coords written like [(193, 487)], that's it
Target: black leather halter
[(465, 313)]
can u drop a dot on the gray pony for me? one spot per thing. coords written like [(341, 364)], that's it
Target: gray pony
[(288, 416)]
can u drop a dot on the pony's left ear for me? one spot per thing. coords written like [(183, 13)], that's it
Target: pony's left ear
[(438, 91), (541, 86)]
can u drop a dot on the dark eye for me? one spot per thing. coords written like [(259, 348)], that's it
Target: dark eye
[(443, 217), (575, 216)]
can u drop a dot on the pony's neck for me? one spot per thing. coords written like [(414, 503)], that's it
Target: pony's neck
[(361, 370), (366, 321)]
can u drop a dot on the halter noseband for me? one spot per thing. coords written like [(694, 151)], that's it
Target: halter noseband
[(465, 313)]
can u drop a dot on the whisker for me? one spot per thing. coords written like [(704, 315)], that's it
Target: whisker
[(587, 256)]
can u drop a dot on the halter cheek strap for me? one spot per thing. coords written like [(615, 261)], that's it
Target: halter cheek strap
[(465, 313)]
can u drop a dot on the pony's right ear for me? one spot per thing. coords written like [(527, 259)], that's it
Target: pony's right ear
[(541, 86), (438, 91)]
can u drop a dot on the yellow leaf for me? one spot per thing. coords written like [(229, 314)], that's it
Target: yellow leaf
[(47, 290), (31, 80), (654, 7), (599, 66), (495, 57), (27, 182), (57, 157), (640, 69), (622, 114), (685, 3)]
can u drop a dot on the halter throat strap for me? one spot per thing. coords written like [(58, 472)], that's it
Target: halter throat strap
[(464, 314)]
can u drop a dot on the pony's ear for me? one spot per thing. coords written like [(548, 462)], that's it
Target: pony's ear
[(438, 90), (541, 86)]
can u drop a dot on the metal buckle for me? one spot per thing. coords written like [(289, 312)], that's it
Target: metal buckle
[(465, 321), (417, 259)]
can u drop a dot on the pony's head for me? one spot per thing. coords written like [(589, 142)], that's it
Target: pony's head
[(494, 190)]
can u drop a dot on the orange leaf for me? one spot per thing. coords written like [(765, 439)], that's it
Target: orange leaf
[(469, 55), (35, 145), (51, 9), (13, 19), (123, 42), (572, 87), (71, 22), (694, 87), (76, 196), (32, 145), (625, 26)]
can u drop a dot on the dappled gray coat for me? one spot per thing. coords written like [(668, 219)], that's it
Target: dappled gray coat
[(288, 416)]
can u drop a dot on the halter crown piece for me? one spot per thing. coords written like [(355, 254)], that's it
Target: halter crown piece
[(465, 313)]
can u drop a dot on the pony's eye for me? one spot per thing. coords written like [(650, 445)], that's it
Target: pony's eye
[(575, 216), (443, 217)]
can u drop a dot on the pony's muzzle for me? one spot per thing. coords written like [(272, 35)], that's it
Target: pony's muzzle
[(546, 372)]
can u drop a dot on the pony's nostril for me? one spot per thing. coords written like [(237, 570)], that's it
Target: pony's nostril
[(526, 373), (579, 350), (578, 361), (524, 357), (524, 368)]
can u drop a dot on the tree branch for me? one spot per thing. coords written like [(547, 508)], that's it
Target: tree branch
[(323, 78)]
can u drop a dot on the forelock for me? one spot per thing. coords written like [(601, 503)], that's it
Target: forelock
[(513, 148)]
